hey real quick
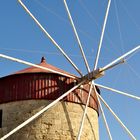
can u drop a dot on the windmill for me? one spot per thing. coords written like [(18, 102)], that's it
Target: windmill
[(87, 78)]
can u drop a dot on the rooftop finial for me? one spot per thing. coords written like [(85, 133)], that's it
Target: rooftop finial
[(43, 60)]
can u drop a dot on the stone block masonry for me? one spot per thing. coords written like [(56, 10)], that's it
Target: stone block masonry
[(60, 122)]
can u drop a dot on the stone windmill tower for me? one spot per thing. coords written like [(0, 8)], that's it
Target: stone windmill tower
[(26, 92), (44, 102)]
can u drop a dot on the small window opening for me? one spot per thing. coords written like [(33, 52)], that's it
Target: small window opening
[(0, 118)]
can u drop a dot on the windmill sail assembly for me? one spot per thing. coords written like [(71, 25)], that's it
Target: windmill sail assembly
[(43, 102)]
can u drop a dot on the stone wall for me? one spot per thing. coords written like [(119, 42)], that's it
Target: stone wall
[(61, 122)]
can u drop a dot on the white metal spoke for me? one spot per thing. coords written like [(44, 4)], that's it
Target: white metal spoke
[(40, 112), (114, 65), (121, 57), (85, 111), (105, 121), (49, 36), (76, 35), (118, 91), (103, 114), (117, 118), (129, 57), (84, 114), (34, 65), (102, 35)]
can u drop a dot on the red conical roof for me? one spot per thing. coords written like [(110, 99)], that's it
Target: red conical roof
[(43, 63)]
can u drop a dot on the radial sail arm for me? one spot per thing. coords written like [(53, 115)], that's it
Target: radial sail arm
[(121, 57), (119, 92), (49, 36), (85, 111), (34, 65), (84, 114), (103, 114), (76, 35), (117, 118), (102, 35)]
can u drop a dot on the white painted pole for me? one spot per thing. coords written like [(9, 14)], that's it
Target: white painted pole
[(102, 35), (49, 36), (103, 114), (118, 119), (85, 111), (118, 91), (84, 114), (76, 35), (34, 65), (114, 65), (121, 57), (40, 112)]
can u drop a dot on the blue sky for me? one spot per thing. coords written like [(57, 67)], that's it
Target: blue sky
[(20, 37)]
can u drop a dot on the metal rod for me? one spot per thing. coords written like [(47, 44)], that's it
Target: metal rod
[(85, 111), (34, 65), (112, 66), (76, 35), (102, 35), (103, 114), (40, 112), (84, 114), (118, 91), (121, 57), (117, 118), (105, 121), (49, 36)]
